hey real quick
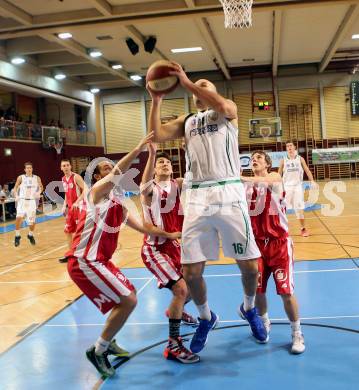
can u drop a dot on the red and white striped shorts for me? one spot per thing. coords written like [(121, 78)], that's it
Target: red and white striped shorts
[(277, 259), (164, 261), (102, 282)]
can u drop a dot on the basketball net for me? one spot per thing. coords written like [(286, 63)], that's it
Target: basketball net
[(58, 147), (265, 132), (237, 13)]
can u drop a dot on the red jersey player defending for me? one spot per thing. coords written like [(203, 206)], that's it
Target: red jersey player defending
[(73, 187), (93, 245), (270, 227), (160, 199)]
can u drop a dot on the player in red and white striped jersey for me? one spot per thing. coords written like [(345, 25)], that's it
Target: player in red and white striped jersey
[(94, 243), (73, 187), (160, 198), (267, 209)]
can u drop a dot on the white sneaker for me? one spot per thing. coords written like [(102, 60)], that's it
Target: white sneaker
[(297, 343), (267, 325)]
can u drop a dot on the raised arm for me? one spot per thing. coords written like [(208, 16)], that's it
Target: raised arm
[(163, 132), (147, 177), (104, 186), (211, 98), (307, 170)]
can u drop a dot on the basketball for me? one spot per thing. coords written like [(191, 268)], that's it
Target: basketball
[(158, 78)]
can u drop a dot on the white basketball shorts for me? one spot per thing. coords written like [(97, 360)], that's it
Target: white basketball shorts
[(207, 222), (26, 208), (294, 197)]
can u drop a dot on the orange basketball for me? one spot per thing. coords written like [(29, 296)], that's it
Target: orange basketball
[(158, 78)]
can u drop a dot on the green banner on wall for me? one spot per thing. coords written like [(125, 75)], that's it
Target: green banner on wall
[(335, 155)]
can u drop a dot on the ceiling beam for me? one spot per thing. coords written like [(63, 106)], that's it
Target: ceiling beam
[(349, 18), (98, 78), (137, 35), (59, 18), (30, 45), (277, 25), (210, 39), (150, 12), (102, 6), (52, 60), (82, 70), (15, 13), (81, 51)]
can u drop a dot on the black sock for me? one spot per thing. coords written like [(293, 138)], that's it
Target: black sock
[(174, 328)]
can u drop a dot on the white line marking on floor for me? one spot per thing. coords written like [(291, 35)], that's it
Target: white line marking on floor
[(166, 323), (33, 259), (145, 285), (149, 278)]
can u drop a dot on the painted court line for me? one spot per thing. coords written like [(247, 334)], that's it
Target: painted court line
[(149, 279), (33, 259), (166, 323)]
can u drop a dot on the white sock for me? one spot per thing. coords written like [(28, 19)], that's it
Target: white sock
[(17, 233), (204, 312), (101, 346), (249, 302), (295, 325), (30, 233), (265, 317)]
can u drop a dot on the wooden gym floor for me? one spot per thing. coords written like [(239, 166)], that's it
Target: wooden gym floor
[(35, 286)]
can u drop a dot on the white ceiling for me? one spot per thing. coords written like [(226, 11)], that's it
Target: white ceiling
[(307, 31)]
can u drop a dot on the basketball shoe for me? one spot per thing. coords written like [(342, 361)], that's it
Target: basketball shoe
[(186, 319), (255, 322), (175, 350), (116, 350), (298, 345), (101, 362), (200, 337)]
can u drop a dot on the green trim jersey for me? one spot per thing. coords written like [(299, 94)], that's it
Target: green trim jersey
[(211, 147), (292, 171)]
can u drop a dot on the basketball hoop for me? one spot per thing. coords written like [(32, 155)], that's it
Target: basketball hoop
[(237, 13), (51, 141), (265, 132), (58, 147)]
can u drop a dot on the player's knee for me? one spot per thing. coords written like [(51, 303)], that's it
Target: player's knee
[(130, 301), (249, 267), (179, 290), (287, 298), (191, 273)]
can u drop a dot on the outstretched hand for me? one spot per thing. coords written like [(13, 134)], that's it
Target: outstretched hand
[(152, 148), (146, 140)]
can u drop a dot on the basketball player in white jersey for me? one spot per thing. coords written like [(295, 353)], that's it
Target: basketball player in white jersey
[(73, 187), (292, 168), (27, 190), (160, 198), (215, 199), (267, 208)]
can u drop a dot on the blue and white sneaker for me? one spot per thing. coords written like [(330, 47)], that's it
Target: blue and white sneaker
[(200, 337), (255, 322)]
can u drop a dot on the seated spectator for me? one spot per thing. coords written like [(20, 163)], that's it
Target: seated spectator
[(82, 126)]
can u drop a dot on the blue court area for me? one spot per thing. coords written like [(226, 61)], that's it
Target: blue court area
[(53, 356)]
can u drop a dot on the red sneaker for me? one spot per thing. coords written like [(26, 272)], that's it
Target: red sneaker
[(175, 350), (187, 319), (304, 232)]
